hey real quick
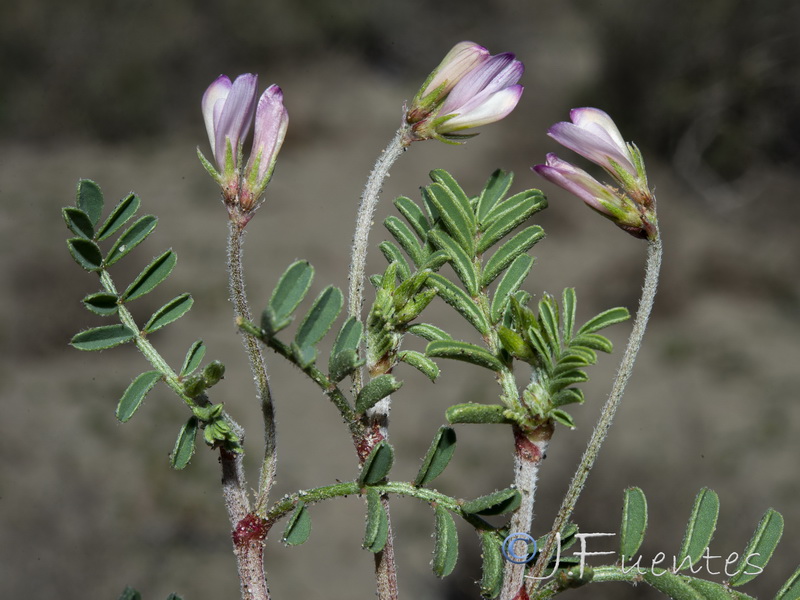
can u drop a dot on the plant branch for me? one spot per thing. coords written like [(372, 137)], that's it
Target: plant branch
[(257, 365), (654, 252)]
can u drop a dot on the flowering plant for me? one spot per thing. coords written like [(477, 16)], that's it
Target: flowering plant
[(467, 248)]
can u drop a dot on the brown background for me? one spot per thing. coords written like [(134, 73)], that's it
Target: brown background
[(711, 94)]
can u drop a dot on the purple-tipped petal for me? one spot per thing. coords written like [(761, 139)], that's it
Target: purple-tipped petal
[(591, 146), (498, 72), (577, 182), (272, 119), (237, 113), (600, 123), (462, 58), (214, 97), (497, 106)]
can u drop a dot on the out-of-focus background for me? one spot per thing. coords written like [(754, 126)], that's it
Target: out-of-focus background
[(710, 92)]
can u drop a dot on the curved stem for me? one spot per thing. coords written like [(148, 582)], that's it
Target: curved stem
[(600, 432), (385, 567), (257, 365), (366, 212)]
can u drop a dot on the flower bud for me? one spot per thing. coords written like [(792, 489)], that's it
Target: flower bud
[(594, 135), (468, 89)]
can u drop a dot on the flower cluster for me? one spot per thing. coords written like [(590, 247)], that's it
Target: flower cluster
[(468, 89), (593, 135), (228, 111)]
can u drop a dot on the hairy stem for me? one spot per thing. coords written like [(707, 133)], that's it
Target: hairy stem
[(257, 365), (600, 432), (385, 566), (366, 212)]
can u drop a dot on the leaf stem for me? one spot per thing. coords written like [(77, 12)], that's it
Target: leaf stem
[(653, 267), (257, 364)]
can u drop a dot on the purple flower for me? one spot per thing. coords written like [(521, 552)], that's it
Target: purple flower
[(469, 89), (593, 134), (228, 111)]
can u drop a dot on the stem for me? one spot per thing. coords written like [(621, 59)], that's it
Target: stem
[(366, 211), (385, 566), (654, 251), (257, 365)]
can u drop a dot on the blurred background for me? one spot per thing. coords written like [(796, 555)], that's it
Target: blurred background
[(709, 91)]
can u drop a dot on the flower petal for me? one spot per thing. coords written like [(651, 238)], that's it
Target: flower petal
[(237, 114), (496, 73), (590, 145), (497, 106), (216, 93), (272, 119)]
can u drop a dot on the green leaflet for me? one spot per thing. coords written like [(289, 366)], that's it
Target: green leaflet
[(184, 446), (121, 214), (133, 236), (790, 589), (496, 503), (634, 523), (447, 181), (492, 570), (760, 548), (171, 311), (509, 252), (673, 586), (377, 465), (292, 287), (472, 412), (78, 222), (462, 263), (458, 299), (102, 303), (376, 532), (376, 390), (318, 321), (298, 528), (393, 255), (508, 286), (437, 457), (134, 395), (193, 358), (407, 240), (496, 188), (604, 319), (456, 219), (429, 332), (445, 548), (414, 215), (102, 338), (568, 302), (90, 200), (86, 253), (420, 362), (507, 215), (152, 275), (700, 528), (465, 352)]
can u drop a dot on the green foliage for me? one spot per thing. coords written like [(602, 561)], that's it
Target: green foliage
[(445, 547), (135, 394), (376, 532), (496, 503), (83, 220), (699, 531), (700, 528), (298, 528), (377, 465), (547, 341), (288, 294), (634, 523), (316, 324), (376, 390), (437, 457), (492, 567), (465, 352)]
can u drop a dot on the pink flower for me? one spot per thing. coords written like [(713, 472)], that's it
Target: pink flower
[(468, 89), (228, 111), (594, 135)]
